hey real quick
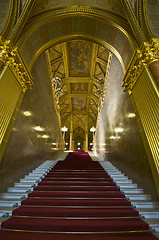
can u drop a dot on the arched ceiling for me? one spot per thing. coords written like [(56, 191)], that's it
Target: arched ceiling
[(79, 41), (43, 6), (78, 70)]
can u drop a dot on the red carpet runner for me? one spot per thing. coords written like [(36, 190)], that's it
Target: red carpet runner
[(77, 200)]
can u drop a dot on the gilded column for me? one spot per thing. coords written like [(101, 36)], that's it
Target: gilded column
[(71, 132), (142, 87), (71, 135), (15, 79), (86, 142)]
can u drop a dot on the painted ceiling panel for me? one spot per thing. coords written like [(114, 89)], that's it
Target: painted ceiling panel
[(79, 58), (78, 69), (79, 104), (79, 87)]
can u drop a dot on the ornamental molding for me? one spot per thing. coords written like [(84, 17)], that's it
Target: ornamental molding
[(11, 57), (143, 57)]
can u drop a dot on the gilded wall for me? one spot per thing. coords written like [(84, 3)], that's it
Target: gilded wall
[(28, 146), (118, 138)]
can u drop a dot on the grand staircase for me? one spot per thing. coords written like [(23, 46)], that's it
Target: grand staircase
[(77, 198)]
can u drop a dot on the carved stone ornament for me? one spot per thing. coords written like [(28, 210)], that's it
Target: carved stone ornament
[(10, 56), (143, 57)]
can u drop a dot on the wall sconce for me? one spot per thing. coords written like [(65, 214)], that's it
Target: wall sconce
[(93, 129), (64, 129)]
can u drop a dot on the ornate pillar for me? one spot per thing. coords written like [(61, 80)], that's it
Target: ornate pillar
[(71, 146), (142, 87), (15, 79), (71, 133), (86, 141)]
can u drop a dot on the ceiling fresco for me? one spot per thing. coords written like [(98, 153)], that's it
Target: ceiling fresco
[(79, 87), (79, 104), (79, 58), (78, 72)]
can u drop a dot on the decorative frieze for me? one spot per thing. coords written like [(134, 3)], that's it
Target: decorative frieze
[(143, 57), (10, 56)]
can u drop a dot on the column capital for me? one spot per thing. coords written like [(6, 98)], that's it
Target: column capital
[(143, 57), (11, 57)]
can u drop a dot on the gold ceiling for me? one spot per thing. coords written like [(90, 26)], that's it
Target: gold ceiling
[(78, 71)]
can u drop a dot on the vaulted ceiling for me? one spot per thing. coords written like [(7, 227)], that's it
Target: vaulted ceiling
[(78, 71)]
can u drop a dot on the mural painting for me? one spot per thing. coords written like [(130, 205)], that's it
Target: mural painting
[(79, 58), (79, 104), (79, 87)]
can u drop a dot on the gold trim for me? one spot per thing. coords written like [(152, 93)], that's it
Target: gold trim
[(74, 37), (133, 21), (142, 12), (12, 18), (77, 206), (8, 17), (21, 21), (58, 232), (11, 57), (77, 218), (76, 10), (143, 57), (77, 198)]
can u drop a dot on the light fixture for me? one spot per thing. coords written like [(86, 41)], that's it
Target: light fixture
[(66, 143), (64, 129), (78, 143), (131, 115), (27, 113), (53, 143), (119, 130), (92, 129), (114, 137), (78, 148), (91, 144), (45, 136), (38, 128)]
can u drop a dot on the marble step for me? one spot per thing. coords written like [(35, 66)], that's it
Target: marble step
[(127, 185), (145, 204), (23, 180), (123, 181), (117, 175), (6, 212), (36, 175), (33, 177), (38, 171), (120, 178), (133, 190), (138, 197), (9, 203), (153, 224), (149, 213), (20, 189), (25, 184), (17, 196)]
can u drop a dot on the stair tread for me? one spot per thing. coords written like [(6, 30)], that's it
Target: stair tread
[(145, 210), (152, 221)]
